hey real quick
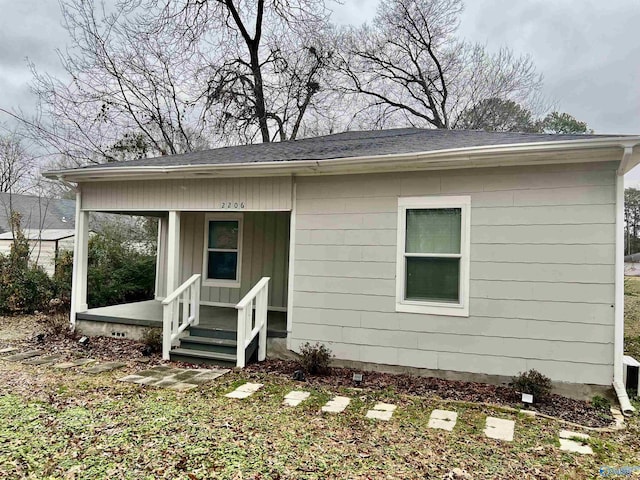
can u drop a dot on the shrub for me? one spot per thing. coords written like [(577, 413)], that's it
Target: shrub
[(24, 287), (57, 325), (533, 383), (117, 272), (600, 403), (152, 339), (315, 359)]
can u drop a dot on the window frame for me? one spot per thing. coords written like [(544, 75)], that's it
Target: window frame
[(460, 309), (213, 282)]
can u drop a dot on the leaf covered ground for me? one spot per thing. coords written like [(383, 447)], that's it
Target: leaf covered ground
[(71, 425)]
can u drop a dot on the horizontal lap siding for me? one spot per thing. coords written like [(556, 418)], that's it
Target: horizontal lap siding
[(541, 275), (269, 193)]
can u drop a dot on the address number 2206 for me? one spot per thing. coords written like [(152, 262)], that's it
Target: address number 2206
[(232, 205)]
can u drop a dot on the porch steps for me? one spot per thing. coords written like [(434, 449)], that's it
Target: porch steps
[(211, 346)]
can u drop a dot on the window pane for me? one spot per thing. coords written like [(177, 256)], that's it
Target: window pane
[(434, 230), (222, 265), (433, 279), (223, 234)]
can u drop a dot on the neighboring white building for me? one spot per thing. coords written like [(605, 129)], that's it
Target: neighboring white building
[(463, 253), (45, 245)]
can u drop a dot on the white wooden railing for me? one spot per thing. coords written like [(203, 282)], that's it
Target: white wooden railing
[(258, 298), (187, 294)]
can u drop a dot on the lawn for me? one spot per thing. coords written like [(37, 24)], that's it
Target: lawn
[(632, 316), (71, 425)]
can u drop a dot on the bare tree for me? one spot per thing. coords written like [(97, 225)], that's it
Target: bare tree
[(15, 164), (269, 69), (413, 68)]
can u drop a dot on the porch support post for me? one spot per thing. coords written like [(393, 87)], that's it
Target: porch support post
[(173, 252), (161, 255), (80, 258)]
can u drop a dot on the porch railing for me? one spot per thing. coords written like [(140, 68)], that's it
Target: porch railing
[(257, 298), (187, 294)]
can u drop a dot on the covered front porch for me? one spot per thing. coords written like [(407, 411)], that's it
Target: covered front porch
[(222, 264)]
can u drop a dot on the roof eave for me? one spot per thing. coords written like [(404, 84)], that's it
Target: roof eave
[(469, 157)]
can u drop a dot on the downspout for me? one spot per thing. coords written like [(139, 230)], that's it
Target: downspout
[(618, 341)]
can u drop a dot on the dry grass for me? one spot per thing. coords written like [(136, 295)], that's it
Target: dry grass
[(632, 316)]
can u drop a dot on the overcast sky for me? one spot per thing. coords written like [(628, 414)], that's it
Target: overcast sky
[(587, 50)]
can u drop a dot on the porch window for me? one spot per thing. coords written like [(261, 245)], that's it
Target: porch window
[(433, 255), (223, 245)]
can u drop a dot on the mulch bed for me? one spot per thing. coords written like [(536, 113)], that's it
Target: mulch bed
[(555, 405)]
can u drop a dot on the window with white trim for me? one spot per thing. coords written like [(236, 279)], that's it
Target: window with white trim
[(433, 255), (222, 251)]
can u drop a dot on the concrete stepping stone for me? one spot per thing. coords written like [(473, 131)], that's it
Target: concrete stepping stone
[(443, 420), (174, 378), (104, 367), (7, 350), (182, 386), (381, 411), (499, 429), (42, 360), (22, 356), (568, 444), (244, 391), (336, 404), (295, 398), (74, 363)]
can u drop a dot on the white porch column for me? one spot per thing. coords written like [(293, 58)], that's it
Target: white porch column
[(161, 258), (173, 251), (80, 256)]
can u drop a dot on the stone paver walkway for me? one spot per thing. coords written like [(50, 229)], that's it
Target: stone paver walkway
[(575, 446), (443, 419), (336, 404), (179, 379), (104, 367), (45, 360), (499, 429), (381, 411), (295, 398), (22, 356), (74, 363), (244, 391), (7, 350)]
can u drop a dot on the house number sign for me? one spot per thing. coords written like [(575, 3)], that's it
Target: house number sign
[(232, 205)]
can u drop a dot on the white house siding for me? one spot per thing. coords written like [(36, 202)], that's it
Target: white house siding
[(541, 275), (43, 252), (265, 252), (266, 194)]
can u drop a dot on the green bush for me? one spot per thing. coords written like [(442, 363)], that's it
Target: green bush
[(117, 272), (24, 287), (315, 359), (533, 383)]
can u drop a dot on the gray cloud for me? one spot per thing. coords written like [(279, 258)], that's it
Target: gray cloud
[(587, 50)]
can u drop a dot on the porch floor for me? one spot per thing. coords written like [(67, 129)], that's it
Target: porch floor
[(149, 314)]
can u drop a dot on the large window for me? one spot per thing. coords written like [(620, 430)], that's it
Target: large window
[(433, 255), (223, 250)]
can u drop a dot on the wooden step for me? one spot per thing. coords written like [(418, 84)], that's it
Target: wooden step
[(211, 332), (188, 355), (208, 344)]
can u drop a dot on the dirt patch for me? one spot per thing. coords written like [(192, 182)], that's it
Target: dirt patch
[(555, 405)]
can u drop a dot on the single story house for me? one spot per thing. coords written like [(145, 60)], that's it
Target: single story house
[(466, 254)]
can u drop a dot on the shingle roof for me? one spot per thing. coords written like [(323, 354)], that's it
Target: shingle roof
[(37, 212), (349, 145)]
